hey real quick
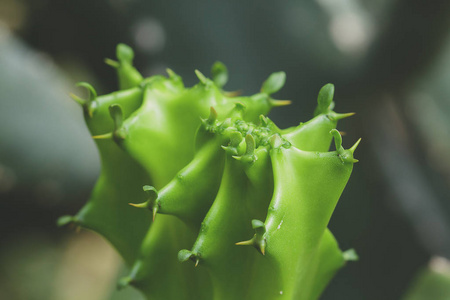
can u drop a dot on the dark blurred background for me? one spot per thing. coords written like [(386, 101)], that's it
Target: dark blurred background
[(389, 61)]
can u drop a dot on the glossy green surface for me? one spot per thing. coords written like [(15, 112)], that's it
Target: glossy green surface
[(206, 166), (300, 210)]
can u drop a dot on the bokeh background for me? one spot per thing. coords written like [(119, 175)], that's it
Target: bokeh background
[(389, 61)]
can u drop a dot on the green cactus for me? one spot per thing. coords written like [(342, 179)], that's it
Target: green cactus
[(207, 165)]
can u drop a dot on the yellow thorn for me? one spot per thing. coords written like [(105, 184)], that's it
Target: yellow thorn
[(112, 63), (139, 205), (245, 243), (201, 77), (233, 93), (353, 148), (155, 211), (196, 262), (278, 103), (90, 113), (337, 116), (170, 72), (103, 136), (77, 99)]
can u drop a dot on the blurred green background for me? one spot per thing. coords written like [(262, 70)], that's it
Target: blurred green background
[(389, 61)]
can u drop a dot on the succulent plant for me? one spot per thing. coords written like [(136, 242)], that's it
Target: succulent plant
[(197, 173)]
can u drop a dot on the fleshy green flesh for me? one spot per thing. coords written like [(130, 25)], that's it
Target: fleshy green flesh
[(303, 205), (205, 179)]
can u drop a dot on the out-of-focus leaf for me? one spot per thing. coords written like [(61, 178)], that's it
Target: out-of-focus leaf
[(432, 283), (43, 140)]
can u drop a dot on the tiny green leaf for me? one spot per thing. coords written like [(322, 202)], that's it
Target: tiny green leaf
[(325, 99), (350, 255), (257, 224), (274, 83), (184, 255), (90, 88), (125, 53), (219, 74), (337, 139), (116, 114)]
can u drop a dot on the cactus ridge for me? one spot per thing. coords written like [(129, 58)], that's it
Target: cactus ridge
[(214, 173)]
